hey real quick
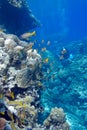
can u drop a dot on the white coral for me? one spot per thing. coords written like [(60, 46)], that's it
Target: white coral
[(33, 54), (9, 44)]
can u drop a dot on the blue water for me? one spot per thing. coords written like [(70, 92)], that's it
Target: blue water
[(63, 21)]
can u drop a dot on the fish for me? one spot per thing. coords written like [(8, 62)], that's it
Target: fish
[(39, 84), (10, 95), (42, 41), (46, 60), (64, 51), (28, 35), (48, 43), (61, 57), (31, 44), (28, 47), (43, 49), (2, 113)]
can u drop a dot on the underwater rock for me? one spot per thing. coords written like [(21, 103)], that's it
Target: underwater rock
[(34, 55), (33, 60), (16, 3), (3, 35), (4, 61), (1, 42), (2, 123), (67, 87), (9, 44), (63, 74), (23, 77), (16, 57), (57, 120), (13, 37), (16, 17)]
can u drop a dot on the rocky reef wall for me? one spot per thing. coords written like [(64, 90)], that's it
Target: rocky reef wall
[(16, 17), (20, 85)]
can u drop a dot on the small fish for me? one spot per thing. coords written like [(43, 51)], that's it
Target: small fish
[(43, 49), (10, 95), (48, 43), (39, 84), (31, 44), (42, 41), (46, 60), (28, 47), (64, 51), (2, 113), (61, 57), (28, 35)]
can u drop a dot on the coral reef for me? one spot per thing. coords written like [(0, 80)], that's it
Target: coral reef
[(16, 3), (66, 87), (56, 120), (20, 85), (18, 73)]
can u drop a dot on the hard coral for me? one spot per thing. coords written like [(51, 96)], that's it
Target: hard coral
[(57, 120)]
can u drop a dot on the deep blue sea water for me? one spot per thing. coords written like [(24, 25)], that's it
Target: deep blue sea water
[(61, 19)]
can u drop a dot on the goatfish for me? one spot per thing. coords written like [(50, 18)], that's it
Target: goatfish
[(46, 60), (28, 35)]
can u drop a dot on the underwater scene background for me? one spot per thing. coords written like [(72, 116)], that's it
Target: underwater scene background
[(64, 23), (61, 19), (44, 47)]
